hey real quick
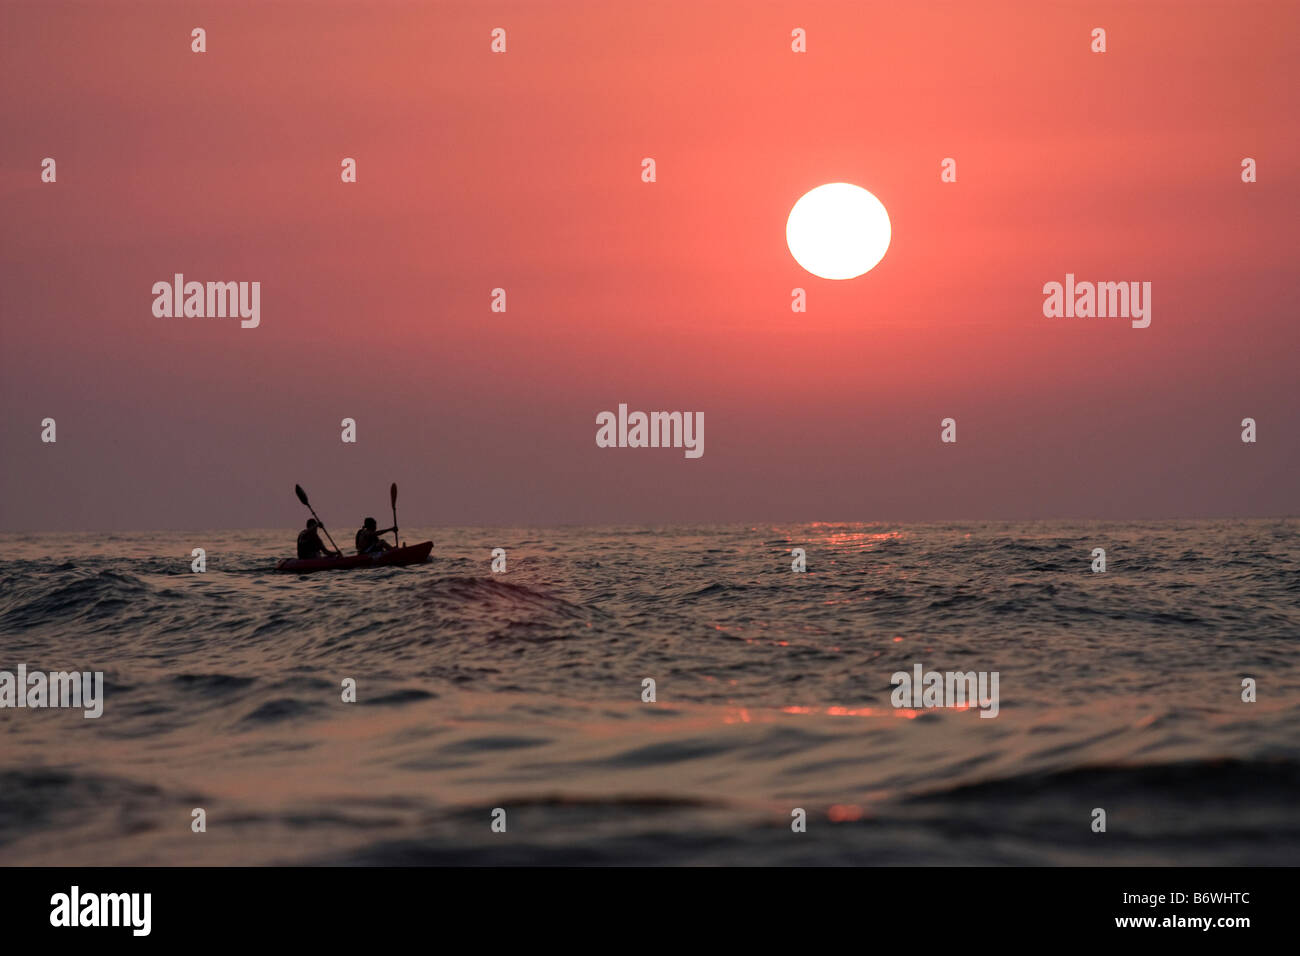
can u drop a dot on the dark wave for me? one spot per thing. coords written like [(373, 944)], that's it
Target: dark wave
[(73, 595), (1194, 781)]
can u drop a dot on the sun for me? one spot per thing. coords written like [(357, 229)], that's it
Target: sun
[(838, 231)]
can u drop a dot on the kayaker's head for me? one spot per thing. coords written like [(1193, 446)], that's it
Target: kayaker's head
[(311, 524), (371, 524)]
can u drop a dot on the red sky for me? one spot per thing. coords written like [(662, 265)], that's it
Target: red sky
[(522, 171)]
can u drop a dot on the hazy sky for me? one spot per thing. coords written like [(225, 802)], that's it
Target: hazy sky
[(522, 171)]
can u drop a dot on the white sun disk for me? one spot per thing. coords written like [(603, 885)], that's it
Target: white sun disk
[(838, 231)]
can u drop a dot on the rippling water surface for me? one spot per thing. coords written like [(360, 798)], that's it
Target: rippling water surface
[(523, 691)]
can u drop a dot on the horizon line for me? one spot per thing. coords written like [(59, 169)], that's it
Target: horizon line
[(687, 524)]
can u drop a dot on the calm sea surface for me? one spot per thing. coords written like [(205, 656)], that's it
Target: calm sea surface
[(523, 691)]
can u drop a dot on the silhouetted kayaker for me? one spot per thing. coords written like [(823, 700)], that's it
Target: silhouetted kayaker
[(310, 544), (368, 540)]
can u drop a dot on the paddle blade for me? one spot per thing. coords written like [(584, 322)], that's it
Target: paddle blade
[(302, 495), (392, 494)]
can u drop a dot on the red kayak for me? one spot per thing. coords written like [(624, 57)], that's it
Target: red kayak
[(411, 554)]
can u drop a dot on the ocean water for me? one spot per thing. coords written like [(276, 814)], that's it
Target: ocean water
[(523, 691)]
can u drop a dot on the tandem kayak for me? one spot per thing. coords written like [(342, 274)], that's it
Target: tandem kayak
[(411, 554)]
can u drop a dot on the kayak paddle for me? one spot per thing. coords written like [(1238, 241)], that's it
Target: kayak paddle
[(302, 496), (392, 494)]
